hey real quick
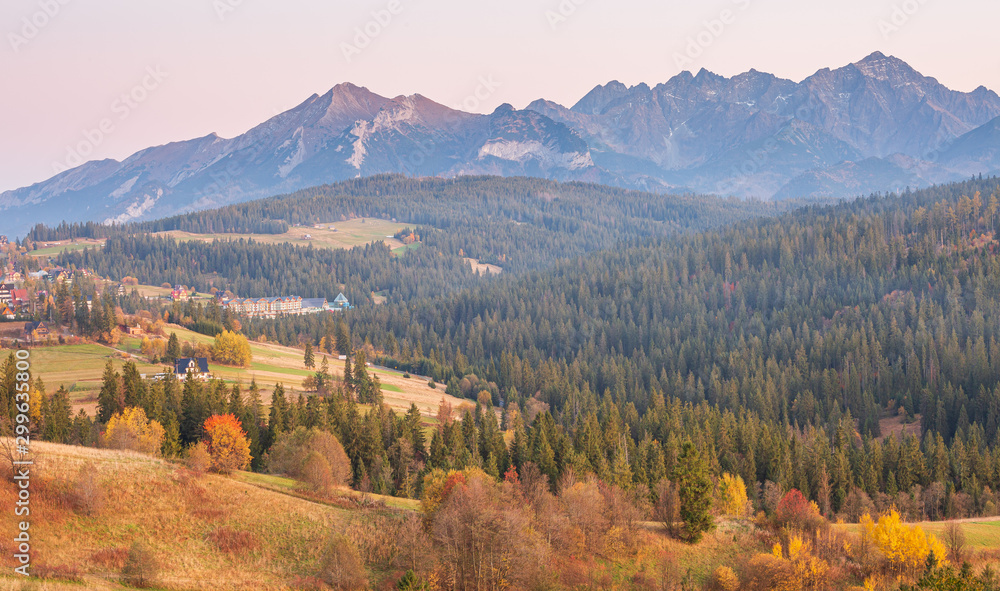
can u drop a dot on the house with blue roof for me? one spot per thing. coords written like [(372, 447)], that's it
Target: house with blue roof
[(340, 303)]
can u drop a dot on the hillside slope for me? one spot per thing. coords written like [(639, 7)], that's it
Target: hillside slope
[(174, 513)]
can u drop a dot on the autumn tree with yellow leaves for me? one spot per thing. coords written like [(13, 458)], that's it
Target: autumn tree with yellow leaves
[(798, 569), (904, 548), (231, 348), (131, 430), (731, 496)]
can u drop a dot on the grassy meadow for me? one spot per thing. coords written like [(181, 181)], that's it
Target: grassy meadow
[(347, 234), (79, 368), (58, 246), (980, 534)]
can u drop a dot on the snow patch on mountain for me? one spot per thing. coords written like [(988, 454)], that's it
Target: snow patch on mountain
[(135, 211), (296, 158), (547, 156), (357, 157), (124, 188)]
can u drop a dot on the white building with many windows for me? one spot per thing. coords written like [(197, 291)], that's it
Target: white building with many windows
[(276, 306)]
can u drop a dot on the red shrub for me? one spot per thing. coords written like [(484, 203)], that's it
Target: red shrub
[(795, 511)]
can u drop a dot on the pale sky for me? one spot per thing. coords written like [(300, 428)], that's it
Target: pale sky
[(226, 65)]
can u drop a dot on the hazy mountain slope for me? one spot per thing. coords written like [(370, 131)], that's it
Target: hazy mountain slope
[(753, 134)]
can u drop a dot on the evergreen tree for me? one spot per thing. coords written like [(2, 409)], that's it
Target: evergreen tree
[(348, 377), (173, 348), (277, 422), (308, 359), (171, 438), (109, 399), (58, 419), (194, 412), (695, 489), (343, 337)]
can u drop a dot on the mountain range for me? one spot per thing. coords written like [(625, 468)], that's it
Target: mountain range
[(873, 125)]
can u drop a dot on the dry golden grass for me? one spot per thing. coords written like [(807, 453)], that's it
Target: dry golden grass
[(193, 524)]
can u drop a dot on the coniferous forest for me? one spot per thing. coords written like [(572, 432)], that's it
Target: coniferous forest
[(823, 322), (849, 352)]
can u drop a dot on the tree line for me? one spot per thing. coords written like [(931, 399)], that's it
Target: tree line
[(805, 330)]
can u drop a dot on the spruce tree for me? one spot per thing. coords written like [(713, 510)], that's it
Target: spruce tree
[(308, 359), (59, 420), (173, 348), (695, 488), (109, 399), (194, 412), (343, 338), (348, 377)]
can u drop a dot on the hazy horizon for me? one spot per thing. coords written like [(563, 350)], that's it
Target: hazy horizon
[(224, 66)]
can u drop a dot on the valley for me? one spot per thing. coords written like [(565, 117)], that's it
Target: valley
[(560, 296), (674, 344)]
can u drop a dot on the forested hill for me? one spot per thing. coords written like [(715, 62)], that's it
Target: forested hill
[(517, 224), (864, 310), (514, 222), (801, 318)]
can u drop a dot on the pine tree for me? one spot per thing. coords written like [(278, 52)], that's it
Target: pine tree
[(173, 348), (83, 431), (277, 421), (695, 488), (58, 419), (252, 423), (329, 340), (171, 438), (348, 377), (308, 359), (194, 412), (343, 337), (109, 399), (236, 406)]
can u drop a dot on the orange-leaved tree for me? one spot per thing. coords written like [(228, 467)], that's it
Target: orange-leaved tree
[(796, 512), (228, 445)]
